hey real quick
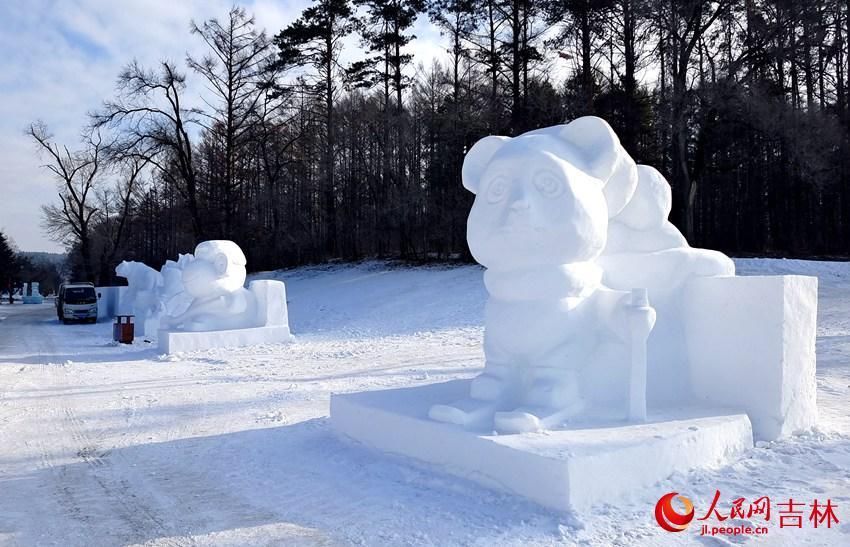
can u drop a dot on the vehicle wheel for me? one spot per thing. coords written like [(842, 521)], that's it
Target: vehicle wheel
[(65, 321)]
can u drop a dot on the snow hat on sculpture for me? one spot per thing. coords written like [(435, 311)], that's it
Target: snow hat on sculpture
[(581, 260)]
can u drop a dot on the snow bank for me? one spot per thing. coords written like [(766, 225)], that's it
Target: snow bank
[(825, 270)]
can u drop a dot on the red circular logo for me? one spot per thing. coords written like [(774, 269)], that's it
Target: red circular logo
[(667, 516)]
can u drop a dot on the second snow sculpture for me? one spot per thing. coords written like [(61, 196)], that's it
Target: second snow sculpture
[(214, 278), (200, 301), (32, 294), (206, 304)]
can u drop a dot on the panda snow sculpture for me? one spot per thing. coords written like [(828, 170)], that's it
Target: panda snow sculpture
[(559, 319)]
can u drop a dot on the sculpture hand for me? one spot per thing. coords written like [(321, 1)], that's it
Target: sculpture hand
[(641, 320)]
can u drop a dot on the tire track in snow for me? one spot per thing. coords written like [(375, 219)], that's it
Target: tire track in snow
[(97, 493), (120, 496)]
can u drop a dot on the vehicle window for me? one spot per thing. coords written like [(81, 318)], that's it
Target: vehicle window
[(80, 295)]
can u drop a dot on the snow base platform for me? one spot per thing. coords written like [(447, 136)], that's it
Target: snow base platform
[(560, 469), (180, 341)]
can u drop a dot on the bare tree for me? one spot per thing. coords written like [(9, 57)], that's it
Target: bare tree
[(688, 22), (77, 174), (115, 210), (236, 69), (155, 126)]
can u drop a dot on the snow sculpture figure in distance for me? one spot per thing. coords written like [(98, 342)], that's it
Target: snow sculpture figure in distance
[(214, 279), (556, 340), (143, 284), (173, 294)]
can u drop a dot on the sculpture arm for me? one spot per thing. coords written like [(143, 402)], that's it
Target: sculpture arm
[(624, 320), (198, 308)]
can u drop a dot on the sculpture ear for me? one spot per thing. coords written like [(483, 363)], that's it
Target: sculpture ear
[(220, 262), (477, 158), (603, 157)]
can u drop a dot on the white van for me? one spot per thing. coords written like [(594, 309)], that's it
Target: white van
[(76, 302)]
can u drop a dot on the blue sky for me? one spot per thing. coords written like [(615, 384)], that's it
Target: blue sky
[(59, 60)]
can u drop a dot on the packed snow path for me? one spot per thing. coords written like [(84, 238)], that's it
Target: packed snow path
[(113, 445)]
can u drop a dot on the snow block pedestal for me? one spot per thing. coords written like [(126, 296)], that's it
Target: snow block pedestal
[(559, 469), (272, 319), (751, 347), (176, 342)]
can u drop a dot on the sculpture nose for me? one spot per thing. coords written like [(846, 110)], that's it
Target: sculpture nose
[(519, 203)]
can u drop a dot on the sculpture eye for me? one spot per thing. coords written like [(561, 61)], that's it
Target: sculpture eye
[(497, 190), (548, 184)]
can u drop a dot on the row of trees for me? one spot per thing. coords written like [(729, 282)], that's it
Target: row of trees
[(300, 157), (8, 265), (17, 268)]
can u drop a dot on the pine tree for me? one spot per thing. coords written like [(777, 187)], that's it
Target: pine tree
[(314, 40), (385, 34), (8, 265)]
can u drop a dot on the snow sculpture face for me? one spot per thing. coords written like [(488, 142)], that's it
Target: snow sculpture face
[(218, 268), (536, 203)]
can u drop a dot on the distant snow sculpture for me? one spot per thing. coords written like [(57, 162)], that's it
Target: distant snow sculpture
[(214, 278), (200, 301), (142, 295), (32, 294), (566, 223)]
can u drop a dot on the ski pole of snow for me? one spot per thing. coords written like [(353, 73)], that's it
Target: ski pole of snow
[(640, 326)]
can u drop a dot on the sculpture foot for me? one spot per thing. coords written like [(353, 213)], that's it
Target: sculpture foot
[(517, 421), (467, 413), (530, 419)]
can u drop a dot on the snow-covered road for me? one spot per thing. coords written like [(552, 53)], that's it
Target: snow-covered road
[(114, 445)]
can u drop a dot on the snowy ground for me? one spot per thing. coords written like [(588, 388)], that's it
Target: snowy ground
[(106, 445)]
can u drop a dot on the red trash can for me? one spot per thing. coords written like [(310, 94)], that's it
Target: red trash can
[(124, 329)]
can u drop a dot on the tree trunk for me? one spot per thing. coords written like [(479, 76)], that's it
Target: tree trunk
[(329, 159)]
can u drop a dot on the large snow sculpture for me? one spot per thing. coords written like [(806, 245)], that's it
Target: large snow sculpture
[(556, 340), (566, 223)]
